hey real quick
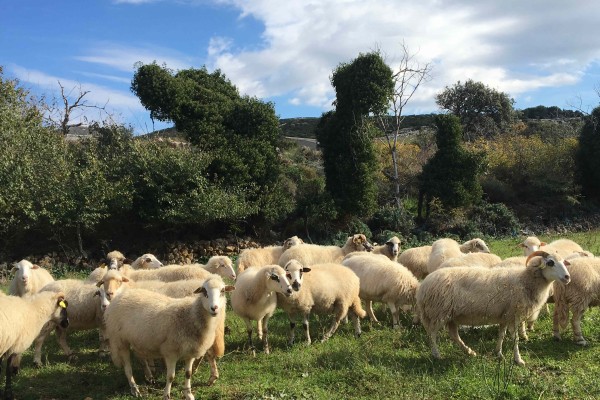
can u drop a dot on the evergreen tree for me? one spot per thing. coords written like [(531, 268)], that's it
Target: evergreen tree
[(587, 162)]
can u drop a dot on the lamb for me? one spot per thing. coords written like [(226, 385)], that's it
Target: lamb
[(415, 259), (486, 260), (29, 279), (254, 299), (478, 296), (390, 249), (21, 319), (146, 261), (265, 255), (157, 326), (310, 254), (85, 313), (322, 289), (583, 292), (385, 281), (444, 249)]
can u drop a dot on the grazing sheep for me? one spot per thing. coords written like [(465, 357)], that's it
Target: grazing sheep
[(220, 265), (254, 298), (415, 259), (583, 292), (265, 255), (445, 249), (486, 260), (480, 296), (310, 254), (21, 319), (85, 313), (146, 261), (325, 289), (390, 249), (384, 281), (157, 326), (29, 279)]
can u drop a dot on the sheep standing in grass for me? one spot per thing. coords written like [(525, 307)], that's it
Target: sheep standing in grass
[(415, 259), (254, 298), (583, 292), (480, 296), (445, 249), (29, 279), (310, 254), (325, 289), (268, 255), (384, 281), (21, 319), (157, 326), (390, 249)]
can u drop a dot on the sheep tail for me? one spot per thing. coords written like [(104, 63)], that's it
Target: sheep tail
[(357, 308), (561, 308)]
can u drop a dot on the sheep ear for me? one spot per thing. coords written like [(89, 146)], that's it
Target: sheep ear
[(127, 261), (100, 283), (201, 290), (305, 269), (124, 279), (228, 288), (35, 266), (566, 262), (14, 269), (543, 244), (97, 293)]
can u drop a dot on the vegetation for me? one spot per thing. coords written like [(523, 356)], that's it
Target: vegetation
[(587, 161), (383, 363)]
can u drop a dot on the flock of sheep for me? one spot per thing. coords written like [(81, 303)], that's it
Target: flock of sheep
[(177, 312)]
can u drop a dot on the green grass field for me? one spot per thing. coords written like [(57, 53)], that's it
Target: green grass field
[(381, 364)]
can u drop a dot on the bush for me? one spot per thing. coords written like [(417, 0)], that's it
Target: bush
[(494, 219), (391, 218)]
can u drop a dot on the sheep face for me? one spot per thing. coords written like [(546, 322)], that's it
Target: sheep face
[(477, 246), (112, 283), (552, 266), (277, 281), (22, 271), (211, 293), (104, 300), (150, 261), (393, 245), (531, 245), (224, 266), (361, 243), (294, 271), (115, 259), (59, 316), (293, 241)]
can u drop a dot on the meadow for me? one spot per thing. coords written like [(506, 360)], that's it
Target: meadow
[(381, 364)]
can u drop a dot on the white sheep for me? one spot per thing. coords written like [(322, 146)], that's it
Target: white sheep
[(168, 273), (324, 289), (85, 313), (220, 265), (564, 247), (444, 249), (531, 244), (486, 260), (157, 326), (480, 296), (262, 256), (310, 254), (146, 261), (254, 298), (21, 319), (386, 281), (29, 279), (583, 292), (115, 259), (415, 259), (390, 249)]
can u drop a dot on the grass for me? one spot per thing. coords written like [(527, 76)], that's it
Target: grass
[(381, 364)]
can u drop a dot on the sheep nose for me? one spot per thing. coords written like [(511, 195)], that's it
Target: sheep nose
[(215, 308), (289, 290), (567, 279)]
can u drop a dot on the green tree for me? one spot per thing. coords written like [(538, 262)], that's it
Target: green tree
[(587, 162), (483, 111), (451, 175), (363, 88)]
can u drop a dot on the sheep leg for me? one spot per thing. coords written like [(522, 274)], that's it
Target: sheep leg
[(395, 315), (556, 325), (61, 338), (265, 334), (576, 324), (336, 322), (501, 334), (170, 364), (148, 376), (435, 352), (523, 331), (306, 329), (249, 332), (292, 334), (187, 386), (125, 356), (515, 334), (453, 331), (356, 321), (103, 347), (371, 313), (212, 363), (8, 393), (39, 342)]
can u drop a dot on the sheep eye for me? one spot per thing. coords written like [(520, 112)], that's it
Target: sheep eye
[(289, 276), (275, 278), (550, 263)]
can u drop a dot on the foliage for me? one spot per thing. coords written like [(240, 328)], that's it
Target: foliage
[(587, 160), (483, 111), (451, 175), (553, 112), (392, 219), (494, 219)]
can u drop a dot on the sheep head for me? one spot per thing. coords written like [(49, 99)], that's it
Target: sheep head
[(553, 267)]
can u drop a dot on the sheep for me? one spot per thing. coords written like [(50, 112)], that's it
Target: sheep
[(310, 254), (265, 255), (391, 248), (85, 312), (564, 247), (583, 292), (415, 259), (146, 261), (444, 249), (115, 259), (322, 289), (220, 265), (21, 319), (29, 279), (531, 244), (168, 273), (254, 298), (385, 281), (157, 326), (486, 260), (478, 296)]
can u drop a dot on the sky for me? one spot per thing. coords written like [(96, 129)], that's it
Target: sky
[(539, 52)]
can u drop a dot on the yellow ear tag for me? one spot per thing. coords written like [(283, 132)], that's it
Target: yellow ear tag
[(62, 304)]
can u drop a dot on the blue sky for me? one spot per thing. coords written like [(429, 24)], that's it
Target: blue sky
[(539, 52)]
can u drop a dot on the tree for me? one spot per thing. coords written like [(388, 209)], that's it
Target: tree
[(451, 175), (587, 162), (363, 88), (407, 79), (483, 111)]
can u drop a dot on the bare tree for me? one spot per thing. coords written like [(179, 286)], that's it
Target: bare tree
[(409, 76), (71, 107)]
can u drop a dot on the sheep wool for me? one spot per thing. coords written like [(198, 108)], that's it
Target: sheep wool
[(29, 279), (415, 259), (445, 249), (310, 254)]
